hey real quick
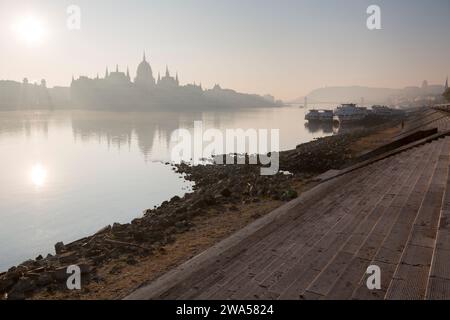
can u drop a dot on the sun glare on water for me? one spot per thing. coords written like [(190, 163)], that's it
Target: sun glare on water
[(30, 30), (38, 175)]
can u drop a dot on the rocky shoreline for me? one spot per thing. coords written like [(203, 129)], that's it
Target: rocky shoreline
[(221, 188)]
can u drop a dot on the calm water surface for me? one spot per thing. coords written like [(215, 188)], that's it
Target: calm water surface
[(66, 174)]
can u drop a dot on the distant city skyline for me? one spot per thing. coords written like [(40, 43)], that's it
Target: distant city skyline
[(285, 48)]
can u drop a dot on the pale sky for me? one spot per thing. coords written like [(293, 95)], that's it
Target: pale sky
[(282, 47)]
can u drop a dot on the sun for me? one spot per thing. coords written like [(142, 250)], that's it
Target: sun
[(30, 29)]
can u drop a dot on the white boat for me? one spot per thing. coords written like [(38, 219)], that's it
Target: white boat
[(349, 112), (319, 115)]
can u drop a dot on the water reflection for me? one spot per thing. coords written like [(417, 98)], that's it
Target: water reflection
[(151, 131), (325, 127), (38, 175)]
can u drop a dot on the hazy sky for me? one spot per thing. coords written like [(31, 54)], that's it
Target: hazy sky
[(282, 47)]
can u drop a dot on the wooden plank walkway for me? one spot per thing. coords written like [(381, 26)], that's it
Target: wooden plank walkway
[(393, 213)]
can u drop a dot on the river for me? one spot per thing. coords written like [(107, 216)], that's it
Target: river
[(67, 174)]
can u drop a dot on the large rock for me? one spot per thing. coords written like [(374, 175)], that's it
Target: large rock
[(21, 288), (85, 268), (60, 248), (60, 274), (44, 279), (5, 284), (226, 192), (15, 273), (117, 227)]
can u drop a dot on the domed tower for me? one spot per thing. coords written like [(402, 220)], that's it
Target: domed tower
[(144, 74)]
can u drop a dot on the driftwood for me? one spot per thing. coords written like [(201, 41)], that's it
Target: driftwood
[(100, 232), (90, 241), (128, 244)]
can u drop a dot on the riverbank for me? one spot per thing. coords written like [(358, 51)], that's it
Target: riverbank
[(119, 258)]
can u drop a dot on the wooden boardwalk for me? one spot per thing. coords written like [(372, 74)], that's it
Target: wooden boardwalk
[(393, 213)]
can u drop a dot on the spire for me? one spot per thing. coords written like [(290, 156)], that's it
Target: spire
[(128, 73), (159, 77), (446, 84), (106, 73), (176, 78), (167, 71), (117, 68), (98, 76), (144, 56)]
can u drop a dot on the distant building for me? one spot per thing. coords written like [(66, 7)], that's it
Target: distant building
[(269, 98), (167, 81), (144, 75), (144, 78), (118, 78), (117, 91)]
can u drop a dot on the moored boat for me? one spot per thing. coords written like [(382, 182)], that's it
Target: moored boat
[(319, 115), (349, 112)]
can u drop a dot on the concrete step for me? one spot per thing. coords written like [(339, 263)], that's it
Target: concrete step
[(388, 256), (411, 275), (438, 286), (346, 269), (328, 248), (366, 242)]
